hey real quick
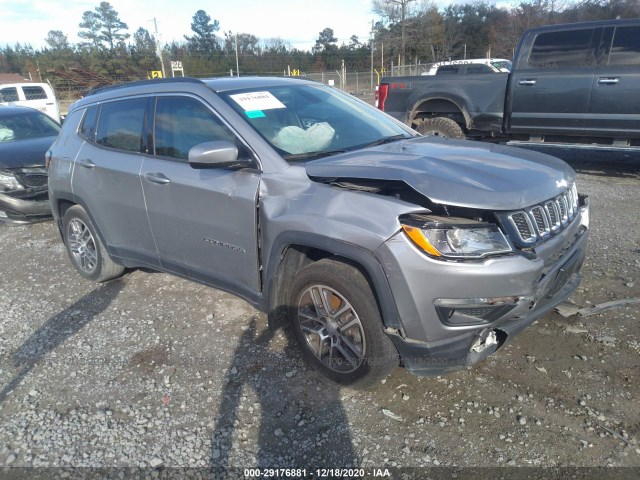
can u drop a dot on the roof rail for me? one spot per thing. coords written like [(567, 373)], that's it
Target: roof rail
[(145, 82)]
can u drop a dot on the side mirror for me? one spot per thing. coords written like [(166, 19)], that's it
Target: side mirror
[(218, 154)]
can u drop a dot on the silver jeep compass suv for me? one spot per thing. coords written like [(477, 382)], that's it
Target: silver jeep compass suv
[(378, 247)]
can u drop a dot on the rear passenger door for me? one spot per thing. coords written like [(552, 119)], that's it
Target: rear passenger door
[(204, 221), (550, 89), (106, 177), (615, 96)]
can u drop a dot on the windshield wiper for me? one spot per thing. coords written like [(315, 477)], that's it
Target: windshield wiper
[(383, 140), (311, 155)]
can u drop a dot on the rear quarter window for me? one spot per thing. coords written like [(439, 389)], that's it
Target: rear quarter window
[(34, 93), (448, 70), (471, 69), (90, 123)]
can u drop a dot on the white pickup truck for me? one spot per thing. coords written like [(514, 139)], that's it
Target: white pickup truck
[(35, 95)]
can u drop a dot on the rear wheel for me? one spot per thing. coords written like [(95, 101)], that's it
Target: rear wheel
[(85, 249), (337, 323), (440, 127)]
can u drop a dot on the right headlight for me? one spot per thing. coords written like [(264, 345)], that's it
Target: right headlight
[(9, 182), (456, 238)]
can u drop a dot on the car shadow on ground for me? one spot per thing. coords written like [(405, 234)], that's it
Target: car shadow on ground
[(57, 329), (300, 425), (599, 161)]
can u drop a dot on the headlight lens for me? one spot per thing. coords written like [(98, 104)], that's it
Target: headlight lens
[(455, 238), (9, 182)]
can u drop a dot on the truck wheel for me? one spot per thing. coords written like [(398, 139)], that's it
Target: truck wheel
[(440, 127), (337, 323), (85, 249)]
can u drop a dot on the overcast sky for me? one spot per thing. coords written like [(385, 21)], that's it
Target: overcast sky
[(296, 21)]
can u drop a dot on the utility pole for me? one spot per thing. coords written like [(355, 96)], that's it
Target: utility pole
[(159, 48)]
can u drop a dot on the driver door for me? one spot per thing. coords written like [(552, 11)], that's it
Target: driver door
[(204, 221)]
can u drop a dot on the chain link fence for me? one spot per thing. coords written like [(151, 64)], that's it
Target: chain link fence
[(357, 83)]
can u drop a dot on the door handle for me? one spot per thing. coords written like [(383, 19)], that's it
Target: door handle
[(527, 82), (158, 178), (86, 163), (608, 80)]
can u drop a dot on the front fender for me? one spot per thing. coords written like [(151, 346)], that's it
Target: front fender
[(360, 257)]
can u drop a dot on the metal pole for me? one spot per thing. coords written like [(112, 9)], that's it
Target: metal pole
[(371, 56), (159, 49), (237, 63)]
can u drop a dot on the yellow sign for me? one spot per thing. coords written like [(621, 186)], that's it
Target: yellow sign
[(295, 72), (156, 74)]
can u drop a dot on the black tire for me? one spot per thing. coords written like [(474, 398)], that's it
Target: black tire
[(355, 352), (440, 127), (85, 249)]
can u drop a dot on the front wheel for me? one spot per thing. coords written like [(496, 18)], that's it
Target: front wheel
[(336, 320), (85, 249), (440, 127)]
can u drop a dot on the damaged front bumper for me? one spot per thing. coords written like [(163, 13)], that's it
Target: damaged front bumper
[(456, 314), (25, 206)]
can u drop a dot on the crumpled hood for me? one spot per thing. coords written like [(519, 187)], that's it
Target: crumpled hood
[(24, 153), (456, 172)]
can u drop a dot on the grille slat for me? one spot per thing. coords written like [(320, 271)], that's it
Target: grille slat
[(523, 225), (542, 223)]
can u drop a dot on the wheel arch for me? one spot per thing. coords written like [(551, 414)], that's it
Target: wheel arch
[(294, 251), (63, 204), (440, 107)]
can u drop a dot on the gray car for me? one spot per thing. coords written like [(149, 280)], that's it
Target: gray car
[(377, 247)]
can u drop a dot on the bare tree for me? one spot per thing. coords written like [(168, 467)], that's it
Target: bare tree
[(394, 11)]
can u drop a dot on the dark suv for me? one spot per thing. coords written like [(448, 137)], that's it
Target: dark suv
[(377, 246)]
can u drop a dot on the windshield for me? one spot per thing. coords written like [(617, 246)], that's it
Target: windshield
[(25, 125), (306, 121)]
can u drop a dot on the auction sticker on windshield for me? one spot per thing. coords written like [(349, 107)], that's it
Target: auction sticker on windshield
[(253, 101)]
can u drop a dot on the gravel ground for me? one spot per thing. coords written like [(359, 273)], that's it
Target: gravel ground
[(153, 370)]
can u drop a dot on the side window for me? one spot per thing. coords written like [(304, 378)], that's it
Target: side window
[(182, 123), (570, 48), (89, 123), (9, 94), (471, 69), (121, 124), (625, 49), (448, 70), (34, 93)]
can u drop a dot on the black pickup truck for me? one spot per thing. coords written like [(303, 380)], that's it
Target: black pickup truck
[(575, 83)]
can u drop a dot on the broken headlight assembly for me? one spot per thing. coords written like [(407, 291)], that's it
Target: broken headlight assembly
[(9, 182), (454, 238)]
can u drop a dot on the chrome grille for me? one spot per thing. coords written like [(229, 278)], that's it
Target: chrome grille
[(543, 220)]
